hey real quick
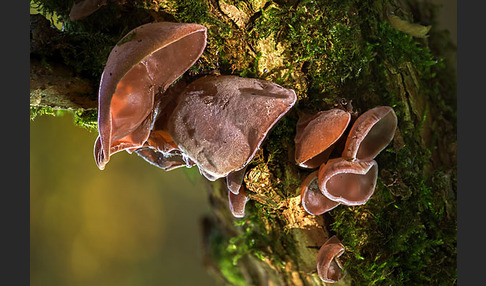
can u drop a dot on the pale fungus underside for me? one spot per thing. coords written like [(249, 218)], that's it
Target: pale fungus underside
[(134, 75)]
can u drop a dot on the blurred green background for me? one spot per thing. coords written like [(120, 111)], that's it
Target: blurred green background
[(130, 224)]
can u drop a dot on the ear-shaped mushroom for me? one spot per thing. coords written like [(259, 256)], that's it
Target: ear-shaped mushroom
[(234, 180), (370, 133), (316, 136), (348, 182), (328, 267), (313, 201), (83, 8), (221, 121), (237, 202), (144, 63)]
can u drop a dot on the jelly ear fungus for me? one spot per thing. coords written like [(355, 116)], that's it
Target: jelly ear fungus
[(143, 63), (317, 135), (221, 121)]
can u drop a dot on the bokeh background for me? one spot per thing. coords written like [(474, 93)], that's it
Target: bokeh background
[(130, 224)]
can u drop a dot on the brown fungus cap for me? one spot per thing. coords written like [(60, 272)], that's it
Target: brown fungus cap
[(371, 133), (328, 267), (237, 202), (234, 180), (221, 121), (144, 63), (316, 136), (313, 201), (348, 182), (83, 8)]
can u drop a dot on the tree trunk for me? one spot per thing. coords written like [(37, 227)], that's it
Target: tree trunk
[(359, 53)]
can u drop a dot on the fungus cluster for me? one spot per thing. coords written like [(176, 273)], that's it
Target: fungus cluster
[(216, 123), (349, 179)]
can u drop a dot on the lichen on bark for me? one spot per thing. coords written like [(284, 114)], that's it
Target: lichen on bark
[(325, 51)]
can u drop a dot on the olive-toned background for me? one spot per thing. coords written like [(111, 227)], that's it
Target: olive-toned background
[(130, 224)]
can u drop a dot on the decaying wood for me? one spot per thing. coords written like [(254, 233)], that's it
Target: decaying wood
[(54, 85)]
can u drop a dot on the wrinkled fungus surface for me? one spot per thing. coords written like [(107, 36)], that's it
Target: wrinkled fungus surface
[(221, 121), (351, 178)]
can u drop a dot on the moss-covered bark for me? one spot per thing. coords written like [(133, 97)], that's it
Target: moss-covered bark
[(329, 52)]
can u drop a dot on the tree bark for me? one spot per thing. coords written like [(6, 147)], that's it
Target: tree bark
[(330, 54)]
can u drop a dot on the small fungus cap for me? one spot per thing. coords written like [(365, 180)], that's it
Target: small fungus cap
[(83, 8), (313, 201), (371, 133), (234, 180), (316, 136), (328, 267), (144, 63), (348, 182), (237, 202), (221, 121)]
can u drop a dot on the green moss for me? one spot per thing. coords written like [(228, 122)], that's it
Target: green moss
[(86, 52), (253, 239), (406, 233), (324, 44), (83, 118), (393, 241), (49, 8), (252, 70), (37, 111), (86, 118), (188, 11), (84, 45), (222, 255), (279, 146)]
